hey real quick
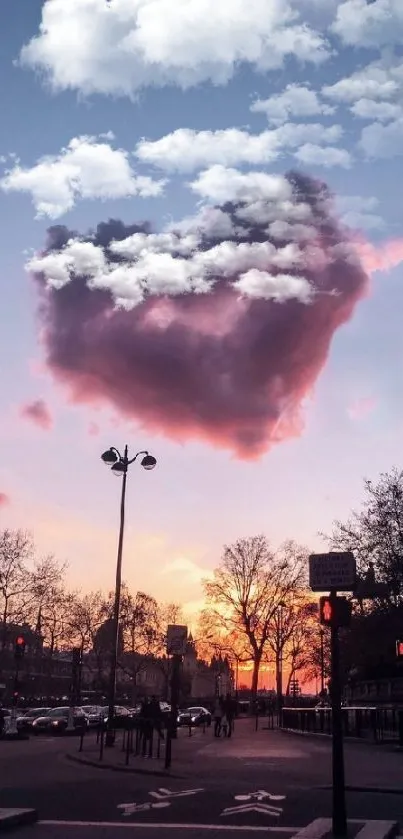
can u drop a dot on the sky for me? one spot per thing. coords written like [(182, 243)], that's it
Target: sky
[(201, 256)]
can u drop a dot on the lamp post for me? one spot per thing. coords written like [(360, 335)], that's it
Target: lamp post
[(281, 606), (119, 465)]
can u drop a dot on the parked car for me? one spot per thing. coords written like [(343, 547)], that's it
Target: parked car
[(56, 720), (25, 721), (121, 716), (94, 713), (194, 716)]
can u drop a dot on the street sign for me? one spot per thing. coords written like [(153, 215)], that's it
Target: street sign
[(177, 637), (332, 570)]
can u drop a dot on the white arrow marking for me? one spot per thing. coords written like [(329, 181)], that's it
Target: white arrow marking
[(132, 808), (166, 793), (260, 795), (253, 808)]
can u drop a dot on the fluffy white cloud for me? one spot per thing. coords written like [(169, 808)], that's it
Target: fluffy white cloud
[(120, 46), (357, 212), (374, 82), (295, 101), (369, 24), (86, 168), (382, 140), (190, 257), (312, 155), (381, 111), (278, 287), (185, 149), (220, 184)]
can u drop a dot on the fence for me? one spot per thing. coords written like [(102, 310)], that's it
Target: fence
[(138, 738), (383, 724)]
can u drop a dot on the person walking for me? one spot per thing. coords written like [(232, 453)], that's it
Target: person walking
[(218, 715), (230, 709)]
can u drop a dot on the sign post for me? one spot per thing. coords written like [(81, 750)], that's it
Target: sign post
[(335, 572), (177, 636), (339, 815)]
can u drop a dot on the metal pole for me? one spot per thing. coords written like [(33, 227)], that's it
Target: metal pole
[(339, 815), (109, 739), (322, 663)]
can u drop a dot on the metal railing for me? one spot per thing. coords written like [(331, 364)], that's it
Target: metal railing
[(382, 724)]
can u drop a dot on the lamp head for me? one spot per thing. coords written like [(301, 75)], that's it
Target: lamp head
[(109, 457), (118, 468), (148, 462)]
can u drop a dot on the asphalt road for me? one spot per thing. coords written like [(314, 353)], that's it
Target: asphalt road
[(270, 781)]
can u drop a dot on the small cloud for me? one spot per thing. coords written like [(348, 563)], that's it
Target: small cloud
[(4, 499), (186, 568), (93, 429), (38, 413), (360, 408)]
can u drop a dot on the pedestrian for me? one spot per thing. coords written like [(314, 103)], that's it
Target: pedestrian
[(218, 714), (156, 716), (230, 709)]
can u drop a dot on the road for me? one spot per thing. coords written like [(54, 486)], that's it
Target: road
[(258, 781)]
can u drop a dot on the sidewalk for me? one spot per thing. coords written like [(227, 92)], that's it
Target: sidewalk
[(306, 762)]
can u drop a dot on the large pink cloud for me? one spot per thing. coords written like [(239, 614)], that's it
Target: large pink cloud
[(227, 368), (4, 499), (38, 413)]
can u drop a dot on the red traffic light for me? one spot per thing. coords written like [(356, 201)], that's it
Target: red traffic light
[(399, 649), (20, 641), (325, 610)]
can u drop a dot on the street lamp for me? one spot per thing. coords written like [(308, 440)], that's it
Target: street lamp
[(281, 606), (119, 465)]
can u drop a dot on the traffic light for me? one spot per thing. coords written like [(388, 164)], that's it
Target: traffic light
[(19, 648), (399, 649), (334, 611)]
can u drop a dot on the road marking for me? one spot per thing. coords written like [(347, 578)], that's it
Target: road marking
[(166, 793), (260, 795), (133, 808), (172, 826), (253, 808)]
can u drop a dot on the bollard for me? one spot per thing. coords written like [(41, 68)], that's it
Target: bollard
[(168, 750), (151, 744), (124, 739), (204, 726), (101, 747), (256, 722), (400, 724), (81, 740), (190, 729), (159, 746), (127, 748)]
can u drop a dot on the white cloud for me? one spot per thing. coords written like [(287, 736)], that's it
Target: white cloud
[(357, 212), (192, 258), (278, 287), (295, 101), (381, 111), (373, 82), (86, 168), (185, 149), (120, 46), (220, 184), (369, 24), (382, 141), (312, 155)]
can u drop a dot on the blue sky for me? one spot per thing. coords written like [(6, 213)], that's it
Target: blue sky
[(138, 116)]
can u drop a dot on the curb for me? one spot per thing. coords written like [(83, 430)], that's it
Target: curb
[(160, 773), (361, 740), (11, 817), (374, 790)]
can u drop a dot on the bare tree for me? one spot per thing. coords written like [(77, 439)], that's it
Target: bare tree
[(248, 587), (16, 555), (375, 533)]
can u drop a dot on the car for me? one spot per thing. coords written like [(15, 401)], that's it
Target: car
[(56, 720), (194, 716), (94, 713), (24, 721), (120, 719)]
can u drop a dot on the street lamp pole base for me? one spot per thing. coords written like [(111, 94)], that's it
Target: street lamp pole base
[(109, 739)]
